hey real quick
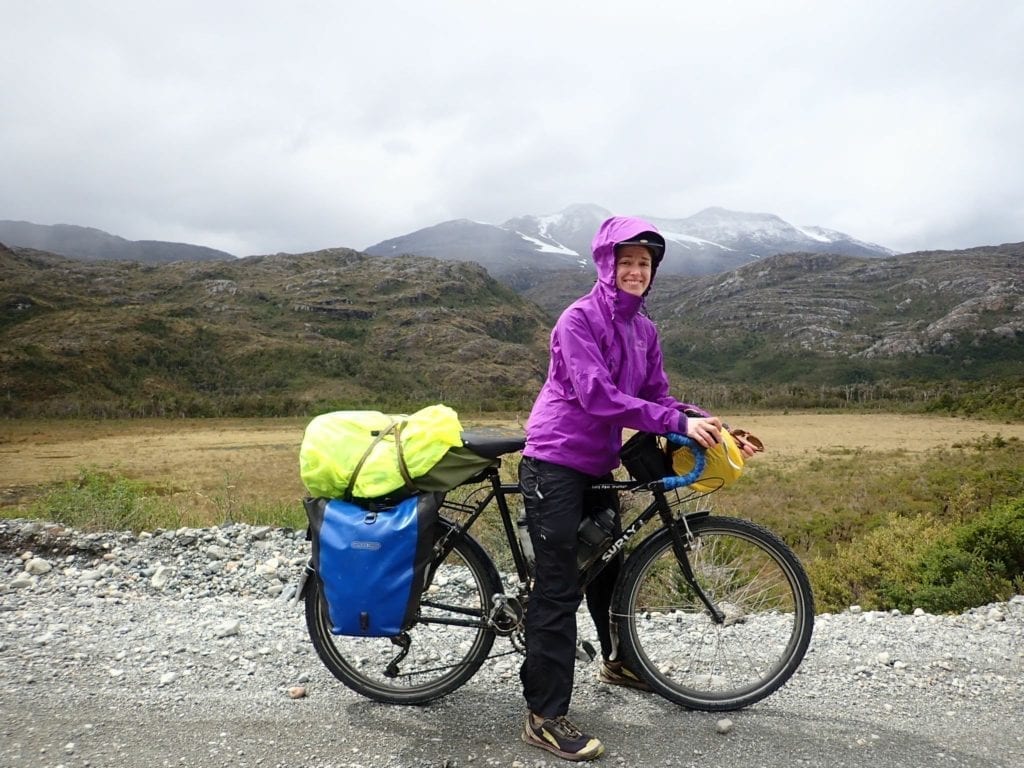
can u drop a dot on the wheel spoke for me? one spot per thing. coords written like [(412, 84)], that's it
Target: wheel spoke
[(434, 656), (753, 579)]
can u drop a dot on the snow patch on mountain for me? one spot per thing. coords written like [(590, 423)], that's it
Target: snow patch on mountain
[(689, 240), (809, 231), (547, 246), (832, 236)]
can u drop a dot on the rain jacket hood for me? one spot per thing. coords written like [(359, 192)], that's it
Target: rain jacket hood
[(606, 370), (611, 233)]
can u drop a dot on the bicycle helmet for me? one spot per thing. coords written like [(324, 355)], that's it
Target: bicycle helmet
[(652, 241)]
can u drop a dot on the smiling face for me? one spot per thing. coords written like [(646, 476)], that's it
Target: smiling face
[(633, 269)]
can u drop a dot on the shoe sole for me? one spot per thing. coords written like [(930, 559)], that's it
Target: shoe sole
[(575, 757)]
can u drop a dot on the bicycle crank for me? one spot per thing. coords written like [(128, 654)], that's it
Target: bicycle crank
[(506, 616)]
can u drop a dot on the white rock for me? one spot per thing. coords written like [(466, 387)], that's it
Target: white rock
[(22, 580), (269, 567), (218, 552), (856, 609), (161, 576), (168, 677), (38, 566), (724, 725), (228, 628)]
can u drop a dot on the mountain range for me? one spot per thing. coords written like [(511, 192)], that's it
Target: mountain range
[(519, 252), (714, 240), (89, 244)]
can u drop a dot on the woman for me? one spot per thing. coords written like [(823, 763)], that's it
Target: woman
[(605, 373)]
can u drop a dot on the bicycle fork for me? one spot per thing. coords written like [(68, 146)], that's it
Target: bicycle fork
[(683, 542)]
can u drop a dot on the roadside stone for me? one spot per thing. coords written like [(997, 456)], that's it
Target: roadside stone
[(38, 566), (161, 576), (228, 629), (218, 552)]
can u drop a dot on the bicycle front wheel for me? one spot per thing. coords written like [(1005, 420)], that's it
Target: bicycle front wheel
[(669, 637), (440, 652)]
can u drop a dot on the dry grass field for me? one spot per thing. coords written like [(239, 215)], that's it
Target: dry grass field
[(250, 460)]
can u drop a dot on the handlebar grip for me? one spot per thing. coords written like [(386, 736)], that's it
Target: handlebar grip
[(699, 460)]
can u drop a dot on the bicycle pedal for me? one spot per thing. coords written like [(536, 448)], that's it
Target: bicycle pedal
[(585, 651)]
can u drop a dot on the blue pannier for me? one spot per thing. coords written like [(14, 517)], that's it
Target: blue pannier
[(372, 561)]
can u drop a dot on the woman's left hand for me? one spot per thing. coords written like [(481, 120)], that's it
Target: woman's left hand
[(705, 431)]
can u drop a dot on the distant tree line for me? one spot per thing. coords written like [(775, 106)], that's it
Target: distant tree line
[(1002, 400)]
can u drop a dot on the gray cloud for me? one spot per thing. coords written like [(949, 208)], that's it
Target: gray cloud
[(257, 127)]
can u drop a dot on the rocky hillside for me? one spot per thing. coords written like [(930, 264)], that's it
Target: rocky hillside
[(338, 328), (943, 314), (262, 334)]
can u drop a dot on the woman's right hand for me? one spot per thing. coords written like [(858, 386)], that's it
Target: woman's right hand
[(705, 431)]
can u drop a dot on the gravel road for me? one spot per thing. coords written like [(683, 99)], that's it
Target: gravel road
[(182, 648)]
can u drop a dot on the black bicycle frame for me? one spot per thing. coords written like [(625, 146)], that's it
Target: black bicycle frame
[(659, 506)]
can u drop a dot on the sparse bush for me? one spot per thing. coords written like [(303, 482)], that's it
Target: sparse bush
[(921, 562), (96, 501)]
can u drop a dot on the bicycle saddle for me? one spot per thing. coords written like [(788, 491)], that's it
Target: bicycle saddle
[(491, 445)]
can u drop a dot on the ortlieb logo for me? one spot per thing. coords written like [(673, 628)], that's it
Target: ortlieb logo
[(372, 545)]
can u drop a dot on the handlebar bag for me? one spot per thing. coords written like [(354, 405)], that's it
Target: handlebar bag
[(371, 562), (645, 458)]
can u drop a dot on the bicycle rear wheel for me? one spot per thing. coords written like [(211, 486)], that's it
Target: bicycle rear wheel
[(668, 635), (439, 653)]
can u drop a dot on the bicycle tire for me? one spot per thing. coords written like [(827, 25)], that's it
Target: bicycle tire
[(441, 657), (668, 636)]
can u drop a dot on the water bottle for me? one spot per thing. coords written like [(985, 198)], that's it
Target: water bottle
[(525, 541), (595, 534)]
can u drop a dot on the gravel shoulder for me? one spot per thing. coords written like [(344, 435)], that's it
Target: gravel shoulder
[(182, 648)]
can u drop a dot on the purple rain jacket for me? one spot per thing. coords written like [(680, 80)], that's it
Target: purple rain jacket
[(606, 371)]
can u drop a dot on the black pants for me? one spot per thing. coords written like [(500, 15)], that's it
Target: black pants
[(556, 498)]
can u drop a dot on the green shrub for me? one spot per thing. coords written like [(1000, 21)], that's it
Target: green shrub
[(922, 562), (953, 579), (867, 570), (982, 563), (96, 501), (997, 536)]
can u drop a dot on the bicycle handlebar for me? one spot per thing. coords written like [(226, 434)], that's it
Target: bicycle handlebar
[(673, 482)]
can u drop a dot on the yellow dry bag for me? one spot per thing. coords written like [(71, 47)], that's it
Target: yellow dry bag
[(368, 454), (724, 464)]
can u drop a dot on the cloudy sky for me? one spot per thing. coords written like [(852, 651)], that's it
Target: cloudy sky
[(258, 127)]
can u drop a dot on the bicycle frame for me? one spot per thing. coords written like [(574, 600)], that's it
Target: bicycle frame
[(658, 507)]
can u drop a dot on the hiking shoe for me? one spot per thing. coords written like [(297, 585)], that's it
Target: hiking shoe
[(562, 738), (616, 673)]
